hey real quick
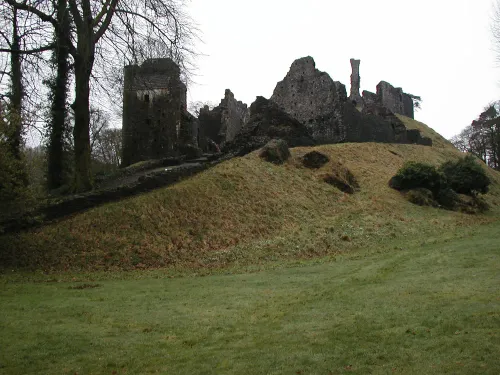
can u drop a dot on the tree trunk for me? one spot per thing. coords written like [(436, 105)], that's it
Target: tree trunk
[(16, 94), (83, 178), (84, 61), (56, 157)]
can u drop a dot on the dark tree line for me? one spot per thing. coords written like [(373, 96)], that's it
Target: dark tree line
[(482, 137), (82, 46)]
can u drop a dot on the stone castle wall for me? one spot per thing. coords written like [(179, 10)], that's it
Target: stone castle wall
[(314, 99), (222, 123), (154, 101), (395, 99), (156, 123)]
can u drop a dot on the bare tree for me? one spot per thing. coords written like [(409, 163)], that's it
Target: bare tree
[(129, 29), (195, 107), (108, 147), (21, 43), (482, 137), (495, 28)]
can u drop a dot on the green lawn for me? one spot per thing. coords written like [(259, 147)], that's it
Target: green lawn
[(429, 309)]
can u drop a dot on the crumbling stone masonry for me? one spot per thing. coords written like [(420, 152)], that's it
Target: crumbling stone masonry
[(314, 99), (155, 121), (307, 107), (370, 99), (267, 121), (355, 97), (321, 104), (391, 98), (224, 122), (387, 96)]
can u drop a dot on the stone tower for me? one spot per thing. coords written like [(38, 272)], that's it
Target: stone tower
[(154, 102), (355, 82)]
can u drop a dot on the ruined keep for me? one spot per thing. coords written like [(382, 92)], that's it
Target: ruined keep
[(222, 123), (314, 99), (155, 120), (322, 105)]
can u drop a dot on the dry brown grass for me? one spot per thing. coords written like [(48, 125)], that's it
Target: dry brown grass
[(247, 211)]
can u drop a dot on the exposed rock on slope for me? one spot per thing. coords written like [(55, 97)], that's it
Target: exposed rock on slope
[(275, 151), (314, 159), (267, 121)]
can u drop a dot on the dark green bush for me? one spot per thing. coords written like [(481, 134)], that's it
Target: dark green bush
[(15, 196), (466, 176), (427, 185), (415, 175), (447, 198), (422, 197), (480, 204), (471, 205)]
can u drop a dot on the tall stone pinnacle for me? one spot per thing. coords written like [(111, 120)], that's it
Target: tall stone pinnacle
[(355, 81)]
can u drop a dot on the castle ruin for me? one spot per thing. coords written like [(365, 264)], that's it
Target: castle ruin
[(322, 105), (156, 123), (222, 123), (155, 120)]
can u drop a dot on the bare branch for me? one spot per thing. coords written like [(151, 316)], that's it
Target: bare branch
[(29, 51), (43, 16), (107, 20)]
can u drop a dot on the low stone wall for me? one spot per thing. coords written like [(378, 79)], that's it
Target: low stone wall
[(78, 203)]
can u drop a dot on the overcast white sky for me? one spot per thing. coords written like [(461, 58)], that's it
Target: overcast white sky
[(438, 49)]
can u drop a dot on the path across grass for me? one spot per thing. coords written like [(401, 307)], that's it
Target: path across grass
[(432, 309)]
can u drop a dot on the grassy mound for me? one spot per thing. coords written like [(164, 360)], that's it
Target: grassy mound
[(246, 211)]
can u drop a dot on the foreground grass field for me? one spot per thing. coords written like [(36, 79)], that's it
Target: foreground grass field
[(430, 308)]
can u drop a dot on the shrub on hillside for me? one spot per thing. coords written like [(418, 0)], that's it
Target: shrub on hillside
[(415, 175), (447, 198), (422, 197), (445, 186), (471, 205), (465, 176)]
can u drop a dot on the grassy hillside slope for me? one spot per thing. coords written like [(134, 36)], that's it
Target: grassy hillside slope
[(247, 211)]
